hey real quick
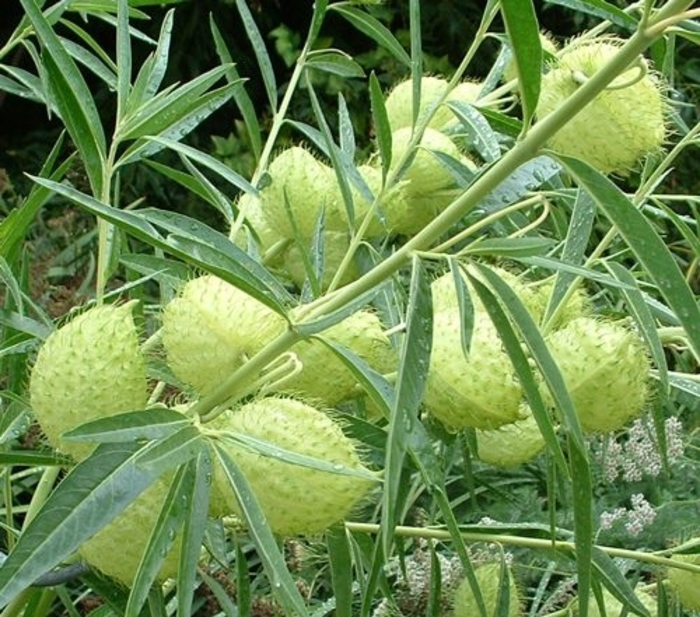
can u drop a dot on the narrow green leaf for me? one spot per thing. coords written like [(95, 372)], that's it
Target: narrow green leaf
[(196, 507), (527, 178), (616, 583), (281, 581), (164, 270), (524, 36), (222, 596), (213, 195), (600, 9), (644, 319), (130, 426), (373, 28), (342, 577), (582, 502), (464, 305), (150, 76), (510, 247), (335, 62), (214, 252), (14, 228), (178, 448), (123, 56), (479, 133), (415, 26), (650, 250), (91, 62), (263, 58), (244, 102), (378, 389), (209, 162), (577, 236), (72, 97), (160, 542), (91, 496), (410, 384), (530, 333), (380, 119), (346, 130), (32, 459)]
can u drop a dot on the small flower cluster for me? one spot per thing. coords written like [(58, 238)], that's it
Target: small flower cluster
[(413, 584), (635, 518), (639, 454)]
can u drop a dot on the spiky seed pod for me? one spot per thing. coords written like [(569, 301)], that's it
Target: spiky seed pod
[(393, 209), (512, 444), (335, 246), (480, 391), (427, 173), (488, 577), (548, 44), (615, 608), (296, 500), (606, 370), (686, 584), (117, 549), (300, 188), (538, 294), (89, 368), (362, 334), (624, 123), (399, 103), (256, 219), (444, 292), (211, 328)]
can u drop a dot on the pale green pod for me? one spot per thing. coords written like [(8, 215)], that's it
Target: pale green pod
[(488, 577), (89, 368), (623, 124), (296, 500), (211, 329), (606, 370), (479, 391), (686, 584)]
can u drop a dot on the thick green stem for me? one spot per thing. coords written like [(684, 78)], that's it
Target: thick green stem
[(523, 542)]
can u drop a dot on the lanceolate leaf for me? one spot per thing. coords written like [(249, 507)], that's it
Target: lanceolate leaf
[(649, 249), (72, 97), (131, 426), (410, 384), (524, 36), (283, 586), (373, 28), (90, 497), (210, 250)]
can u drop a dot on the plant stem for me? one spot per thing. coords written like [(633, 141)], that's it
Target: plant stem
[(532, 543)]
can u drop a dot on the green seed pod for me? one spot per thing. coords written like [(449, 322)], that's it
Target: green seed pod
[(256, 219), (427, 173), (685, 584), (117, 549), (614, 608), (362, 334), (624, 123), (89, 368), (399, 103), (210, 330), (480, 391), (538, 294), (300, 188), (606, 370), (335, 246), (488, 576), (393, 209), (444, 292), (295, 499), (512, 444)]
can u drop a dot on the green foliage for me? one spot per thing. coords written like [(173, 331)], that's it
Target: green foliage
[(526, 237)]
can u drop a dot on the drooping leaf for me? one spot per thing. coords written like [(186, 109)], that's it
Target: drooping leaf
[(90, 497)]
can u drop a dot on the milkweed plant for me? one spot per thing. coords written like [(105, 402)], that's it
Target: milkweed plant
[(445, 368)]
